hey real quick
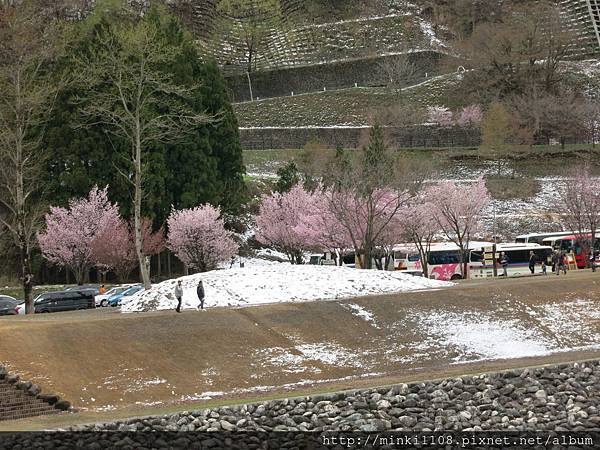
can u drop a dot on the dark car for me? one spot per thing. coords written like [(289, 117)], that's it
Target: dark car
[(65, 301), (91, 287), (8, 305)]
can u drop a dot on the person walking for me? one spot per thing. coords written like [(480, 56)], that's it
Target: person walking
[(532, 261), (564, 262), (178, 295), (504, 263), (544, 269), (593, 260), (555, 262), (200, 292)]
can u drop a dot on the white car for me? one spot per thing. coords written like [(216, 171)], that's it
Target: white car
[(102, 300), (20, 308)]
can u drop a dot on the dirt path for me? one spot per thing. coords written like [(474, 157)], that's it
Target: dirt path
[(110, 364)]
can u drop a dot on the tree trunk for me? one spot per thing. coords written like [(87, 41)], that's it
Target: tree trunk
[(158, 264), (250, 86), (142, 260), (368, 263), (464, 259), (26, 279), (250, 58)]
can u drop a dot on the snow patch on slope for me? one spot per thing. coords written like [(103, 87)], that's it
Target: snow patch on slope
[(275, 284)]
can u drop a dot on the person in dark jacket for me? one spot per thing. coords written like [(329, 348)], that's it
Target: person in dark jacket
[(532, 261), (504, 263), (178, 295), (555, 262), (200, 292)]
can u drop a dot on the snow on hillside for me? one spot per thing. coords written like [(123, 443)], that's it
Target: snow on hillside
[(276, 283)]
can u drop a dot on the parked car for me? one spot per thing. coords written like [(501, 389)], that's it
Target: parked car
[(121, 298), (8, 305), (68, 300), (92, 287), (102, 299)]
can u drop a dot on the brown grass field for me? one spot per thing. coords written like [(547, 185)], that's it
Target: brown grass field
[(113, 365)]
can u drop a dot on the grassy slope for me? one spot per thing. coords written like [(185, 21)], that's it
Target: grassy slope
[(343, 107), (120, 361), (355, 106), (539, 160)]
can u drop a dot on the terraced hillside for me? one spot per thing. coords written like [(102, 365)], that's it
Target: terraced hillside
[(341, 108), (323, 43)]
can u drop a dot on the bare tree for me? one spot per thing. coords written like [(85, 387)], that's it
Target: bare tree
[(580, 205), (27, 45), (420, 227), (132, 94), (457, 210), (366, 191), (591, 119), (399, 71), (251, 21), (519, 54)]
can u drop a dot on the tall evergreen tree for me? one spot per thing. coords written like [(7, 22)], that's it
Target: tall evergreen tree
[(204, 167)]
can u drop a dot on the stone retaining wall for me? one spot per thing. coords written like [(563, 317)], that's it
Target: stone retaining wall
[(20, 399), (563, 399), (409, 137), (559, 398), (372, 71)]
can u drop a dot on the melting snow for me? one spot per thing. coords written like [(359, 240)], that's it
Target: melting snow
[(361, 312), (485, 337), (277, 283)]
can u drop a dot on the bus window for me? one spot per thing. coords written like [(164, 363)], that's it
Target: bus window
[(416, 257), (476, 256), (521, 240), (315, 260), (444, 257), (566, 245), (517, 256), (536, 240), (349, 258), (399, 255), (543, 254)]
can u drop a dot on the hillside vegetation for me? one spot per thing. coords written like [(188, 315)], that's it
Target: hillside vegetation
[(346, 107)]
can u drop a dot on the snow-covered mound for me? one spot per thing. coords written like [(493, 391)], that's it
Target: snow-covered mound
[(277, 283)]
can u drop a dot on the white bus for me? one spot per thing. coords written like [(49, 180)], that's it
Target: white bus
[(538, 238), (518, 258), (406, 257), (444, 263)]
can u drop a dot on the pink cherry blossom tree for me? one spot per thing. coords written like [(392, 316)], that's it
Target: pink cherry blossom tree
[(469, 116), (114, 248), (440, 115), (368, 221), (320, 229), (284, 222), (420, 227), (199, 239), (70, 232), (579, 203), (457, 210), (390, 236)]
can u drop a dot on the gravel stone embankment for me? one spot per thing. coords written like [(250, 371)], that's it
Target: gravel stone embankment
[(558, 398)]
